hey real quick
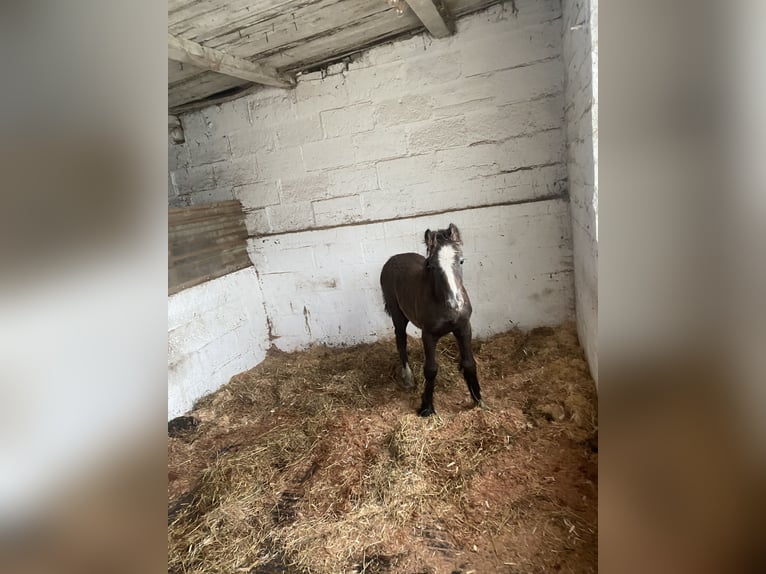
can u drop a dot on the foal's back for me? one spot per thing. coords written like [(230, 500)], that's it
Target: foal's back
[(405, 267)]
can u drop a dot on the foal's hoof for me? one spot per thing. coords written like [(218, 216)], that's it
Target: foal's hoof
[(426, 411), (482, 405), (408, 381)]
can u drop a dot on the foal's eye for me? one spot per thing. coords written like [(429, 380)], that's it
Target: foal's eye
[(461, 260)]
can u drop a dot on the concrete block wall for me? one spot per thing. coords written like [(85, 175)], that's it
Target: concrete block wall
[(580, 50), (408, 128), (215, 330), (352, 165)]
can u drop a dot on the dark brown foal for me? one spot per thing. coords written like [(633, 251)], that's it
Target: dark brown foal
[(429, 292)]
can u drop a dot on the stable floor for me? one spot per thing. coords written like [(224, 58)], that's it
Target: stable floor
[(315, 462)]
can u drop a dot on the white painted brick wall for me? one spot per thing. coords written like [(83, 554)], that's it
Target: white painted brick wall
[(580, 46), (215, 330), (499, 80)]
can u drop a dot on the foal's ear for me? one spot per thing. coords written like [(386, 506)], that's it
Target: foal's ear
[(430, 239), (454, 233)]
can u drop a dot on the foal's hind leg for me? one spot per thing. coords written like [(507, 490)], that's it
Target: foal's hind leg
[(468, 364), (400, 328)]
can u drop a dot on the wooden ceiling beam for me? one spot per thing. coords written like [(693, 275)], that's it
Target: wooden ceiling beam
[(435, 17), (188, 52)]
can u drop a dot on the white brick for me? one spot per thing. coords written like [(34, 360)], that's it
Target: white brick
[(350, 181), (235, 172), (250, 141), (386, 204), (275, 288), (402, 172), (461, 91), (436, 134), (282, 260), (338, 210), (348, 120), (194, 123), (193, 179), (463, 108), (179, 201), (257, 222), (538, 182), (509, 50), (178, 156), (429, 70), (276, 164), (291, 217), (211, 195), (406, 228), (297, 132), (308, 188), (208, 149), (500, 19), (338, 68), (315, 97), (380, 144), (224, 119), (405, 109), (294, 240), (337, 254), (359, 61), (289, 326), (538, 149), (376, 83), (375, 252), (465, 178), (257, 195), (271, 108), (397, 50), (485, 155), (328, 154), (310, 77), (533, 81), (513, 120)]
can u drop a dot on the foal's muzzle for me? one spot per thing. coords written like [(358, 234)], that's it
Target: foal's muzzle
[(455, 303)]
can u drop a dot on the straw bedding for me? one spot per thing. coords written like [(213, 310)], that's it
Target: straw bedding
[(316, 462)]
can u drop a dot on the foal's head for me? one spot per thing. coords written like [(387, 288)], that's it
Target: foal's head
[(445, 257)]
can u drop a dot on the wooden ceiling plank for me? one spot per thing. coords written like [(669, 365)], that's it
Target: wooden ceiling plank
[(202, 86), (205, 22), (248, 39), (341, 42), (178, 72), (188, 52), (435, 17)]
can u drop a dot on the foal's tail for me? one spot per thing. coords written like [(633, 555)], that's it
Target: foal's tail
[(387, 303)]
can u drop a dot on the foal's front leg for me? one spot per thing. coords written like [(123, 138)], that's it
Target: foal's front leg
[(430, 369), (468, 364)]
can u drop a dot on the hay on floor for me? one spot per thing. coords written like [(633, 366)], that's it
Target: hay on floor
[(316, 462)]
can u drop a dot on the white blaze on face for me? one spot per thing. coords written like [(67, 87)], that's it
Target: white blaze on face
[(446, 261)]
